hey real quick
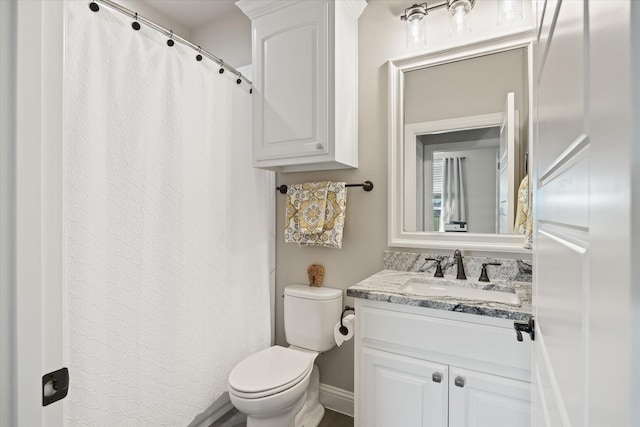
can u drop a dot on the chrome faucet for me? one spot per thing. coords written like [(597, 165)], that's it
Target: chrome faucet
[(458, 256)]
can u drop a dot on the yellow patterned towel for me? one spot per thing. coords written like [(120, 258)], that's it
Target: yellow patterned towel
[(307, 202), (524, 219), (522, 207), (301, 224)]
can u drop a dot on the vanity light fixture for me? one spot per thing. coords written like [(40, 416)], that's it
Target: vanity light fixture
[(458, 19)]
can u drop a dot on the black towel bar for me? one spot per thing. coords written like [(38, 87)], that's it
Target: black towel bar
[(366, 186)]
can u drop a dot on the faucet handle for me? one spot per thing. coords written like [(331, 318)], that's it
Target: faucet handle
[(483, 274), (438, 266)]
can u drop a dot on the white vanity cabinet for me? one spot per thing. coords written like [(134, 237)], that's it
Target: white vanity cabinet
[(424, 367), (305, 104)]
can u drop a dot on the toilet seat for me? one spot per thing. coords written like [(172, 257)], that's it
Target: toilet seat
[(270, 371)]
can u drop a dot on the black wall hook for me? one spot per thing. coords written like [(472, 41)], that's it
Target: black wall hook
[(94, 6), (135, 24)]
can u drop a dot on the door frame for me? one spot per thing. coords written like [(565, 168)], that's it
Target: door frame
[(8, 36), (38, 228)]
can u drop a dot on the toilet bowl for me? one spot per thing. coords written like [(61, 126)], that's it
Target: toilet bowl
[(280, 386), (272, 387)]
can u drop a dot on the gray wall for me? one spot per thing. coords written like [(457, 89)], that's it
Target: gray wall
[(229, 38), (151, 13), (465, 88)]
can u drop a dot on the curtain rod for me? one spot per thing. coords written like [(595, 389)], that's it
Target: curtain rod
[(169, 33)]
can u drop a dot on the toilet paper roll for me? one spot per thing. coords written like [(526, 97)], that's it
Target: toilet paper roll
[(349, 322)]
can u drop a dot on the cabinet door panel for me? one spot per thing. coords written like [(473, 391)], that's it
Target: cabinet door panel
[(291, 50), (289, 96), (401, 391), (483, 400)]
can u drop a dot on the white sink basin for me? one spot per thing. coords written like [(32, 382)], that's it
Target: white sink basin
[(462, 289)]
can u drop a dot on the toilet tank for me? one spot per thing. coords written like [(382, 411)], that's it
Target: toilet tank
[(310, 313)]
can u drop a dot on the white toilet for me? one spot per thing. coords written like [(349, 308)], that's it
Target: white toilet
[(279, 386)]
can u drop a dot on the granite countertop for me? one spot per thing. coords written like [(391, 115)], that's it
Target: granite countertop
[(386, 286)]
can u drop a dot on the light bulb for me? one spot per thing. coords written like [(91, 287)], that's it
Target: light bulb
[(458, 21), (509, 11), (416, 34)]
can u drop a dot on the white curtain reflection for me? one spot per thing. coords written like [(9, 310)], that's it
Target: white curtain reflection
[(453, 196)]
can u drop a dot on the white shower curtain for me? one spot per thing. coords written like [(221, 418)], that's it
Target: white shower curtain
[(453, 197), (166, 227)]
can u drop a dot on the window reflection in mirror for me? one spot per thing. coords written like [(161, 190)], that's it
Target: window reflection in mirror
[(458, 113)]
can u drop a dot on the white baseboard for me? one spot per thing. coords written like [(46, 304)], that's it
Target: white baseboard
[(337, 399), (333, 398)]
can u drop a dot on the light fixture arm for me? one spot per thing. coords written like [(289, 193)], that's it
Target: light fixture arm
[(419, 11), (438, 6)]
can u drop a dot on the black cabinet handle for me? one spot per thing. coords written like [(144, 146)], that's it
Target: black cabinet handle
[(436, 377), (459, 381)]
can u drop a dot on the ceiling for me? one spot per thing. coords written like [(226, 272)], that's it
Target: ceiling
[(193, 13)]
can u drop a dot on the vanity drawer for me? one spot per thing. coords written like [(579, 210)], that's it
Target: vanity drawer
[(468, 340)]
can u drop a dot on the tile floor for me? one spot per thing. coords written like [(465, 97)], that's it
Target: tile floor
[(233, 418)]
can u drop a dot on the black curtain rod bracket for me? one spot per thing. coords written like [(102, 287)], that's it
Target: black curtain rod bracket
[(366, 186)]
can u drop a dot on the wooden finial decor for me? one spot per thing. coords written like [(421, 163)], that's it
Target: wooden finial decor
[(315, 272)]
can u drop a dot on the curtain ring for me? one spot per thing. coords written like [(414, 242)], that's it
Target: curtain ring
[(198, 56), (94, 6), (221, 62), (135, 25), (170, 42)]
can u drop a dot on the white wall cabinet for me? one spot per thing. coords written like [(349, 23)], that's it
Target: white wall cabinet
[(424, 367), (305, 103)]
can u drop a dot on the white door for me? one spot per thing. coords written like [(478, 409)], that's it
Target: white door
[(507, 170), (38, 291), (402, 391), (582, 367), (483, 400)]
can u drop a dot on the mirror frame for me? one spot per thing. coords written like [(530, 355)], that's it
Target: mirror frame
[(397, 236)]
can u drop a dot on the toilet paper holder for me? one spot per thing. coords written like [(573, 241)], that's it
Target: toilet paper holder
[(343, 329)]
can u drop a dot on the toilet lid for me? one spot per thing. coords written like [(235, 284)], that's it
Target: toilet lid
[(269, 369)]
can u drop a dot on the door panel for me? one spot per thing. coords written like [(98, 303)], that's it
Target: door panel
[(401, 391), (561, 258), (561, 311), (561, 100), (482, 400), (566, 182)]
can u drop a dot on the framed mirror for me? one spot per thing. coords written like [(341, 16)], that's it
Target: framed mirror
[(459, 144)]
